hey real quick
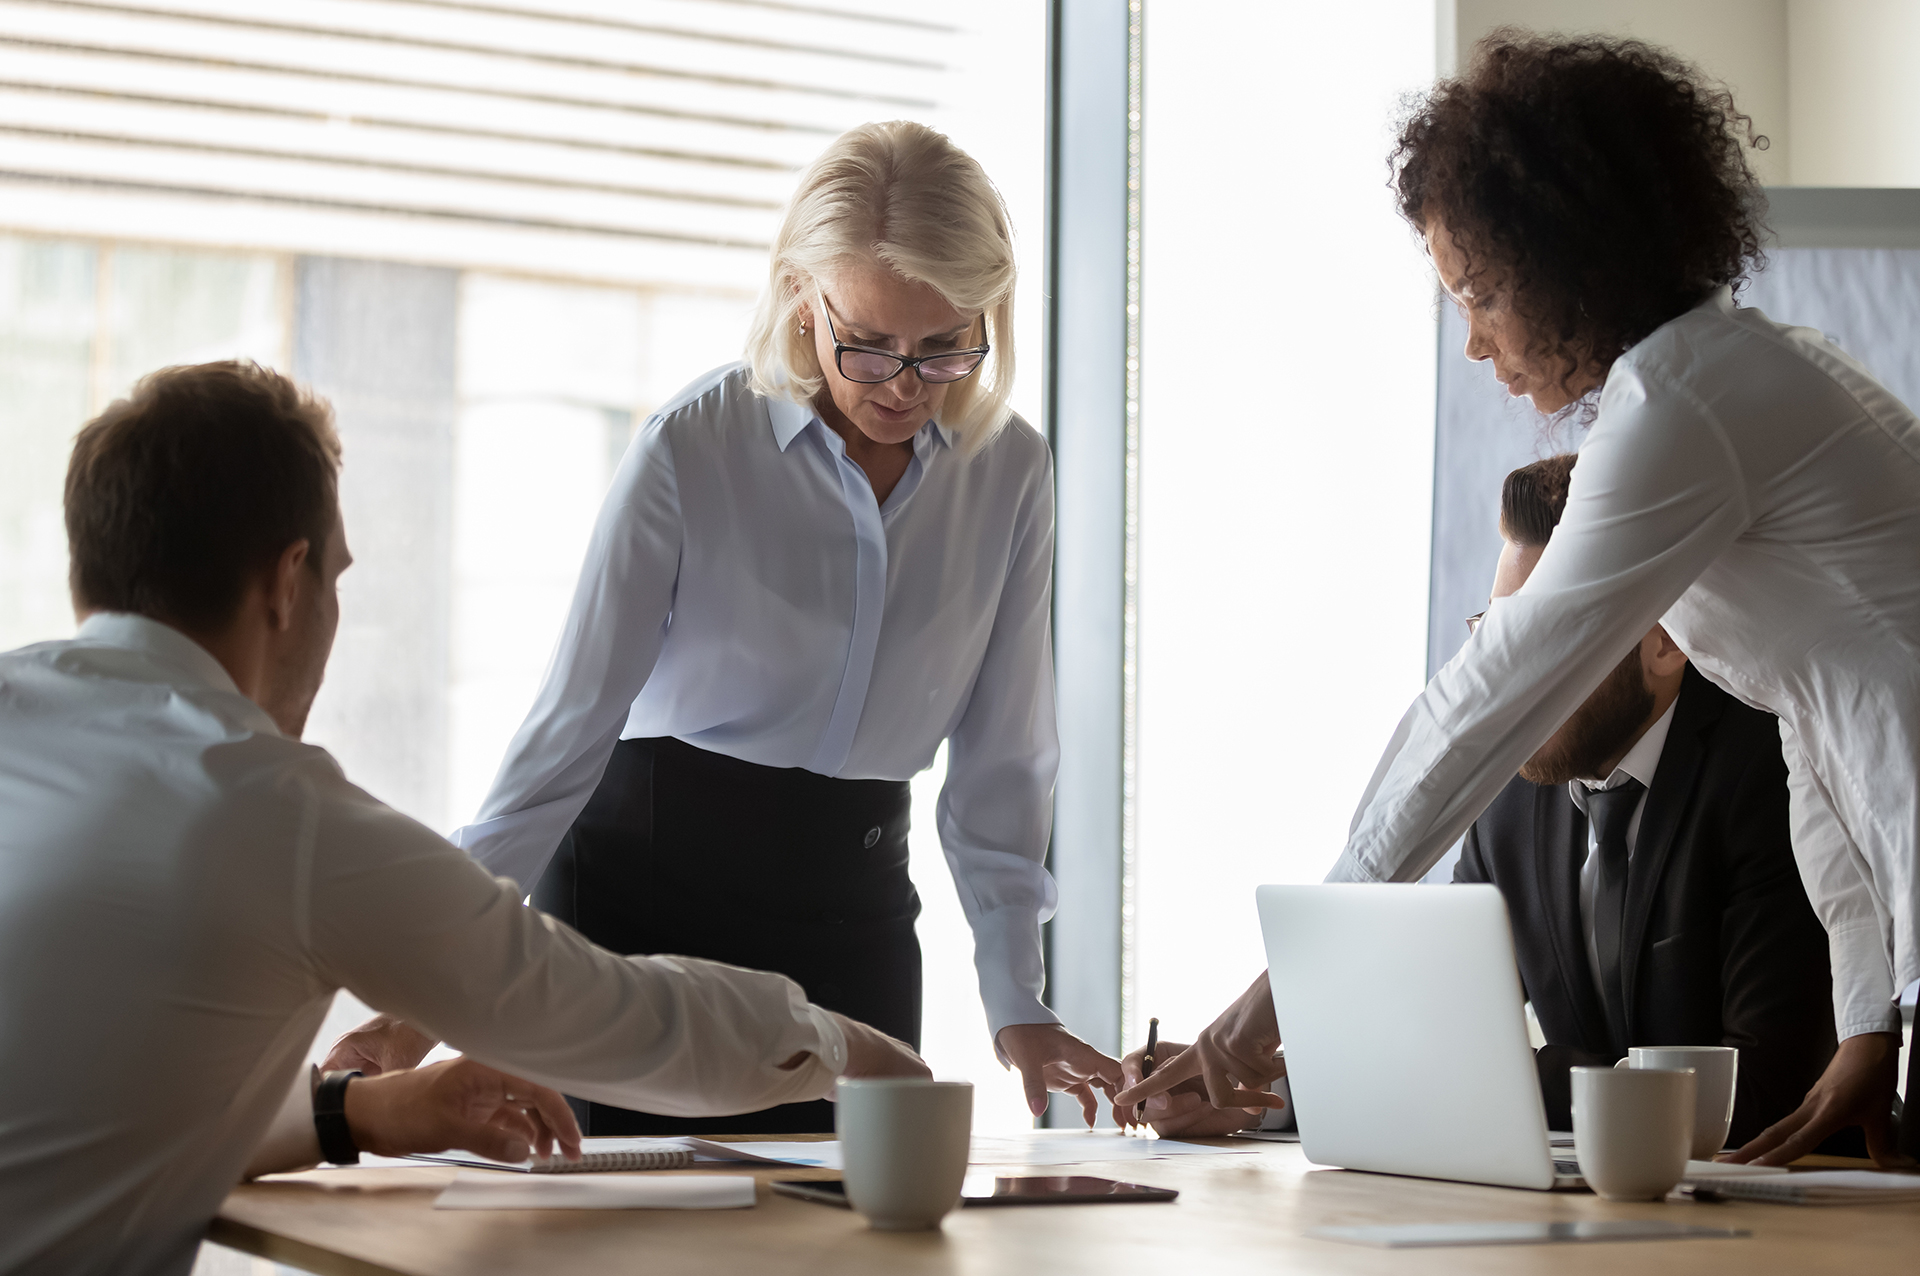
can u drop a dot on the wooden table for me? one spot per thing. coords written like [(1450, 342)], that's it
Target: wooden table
[(1235, 1214)]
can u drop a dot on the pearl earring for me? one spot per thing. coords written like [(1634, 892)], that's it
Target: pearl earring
[(803, 329)]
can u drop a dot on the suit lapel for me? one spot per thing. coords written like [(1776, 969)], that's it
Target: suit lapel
[(1560, 834), (1667, 798)]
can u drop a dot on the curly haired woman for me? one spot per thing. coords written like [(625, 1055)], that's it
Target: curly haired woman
[(1588, 205)]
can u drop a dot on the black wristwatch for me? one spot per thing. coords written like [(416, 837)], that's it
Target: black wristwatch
[(330, 1119)]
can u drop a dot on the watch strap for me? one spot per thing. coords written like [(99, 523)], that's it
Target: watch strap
[(330, 1119)]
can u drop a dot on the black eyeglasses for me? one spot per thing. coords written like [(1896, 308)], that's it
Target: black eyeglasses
[(871, 367), (1473, 622)]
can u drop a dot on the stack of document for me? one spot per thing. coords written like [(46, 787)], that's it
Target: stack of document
[(1819, 1187)]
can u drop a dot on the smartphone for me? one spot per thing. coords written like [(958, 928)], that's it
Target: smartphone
[(986, 1189)]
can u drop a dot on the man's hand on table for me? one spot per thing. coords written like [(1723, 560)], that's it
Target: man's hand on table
[(381, 1044), (1236, 1058), (1856, 1089), (1051, 1058), (459, 1104), (1183, 1110)]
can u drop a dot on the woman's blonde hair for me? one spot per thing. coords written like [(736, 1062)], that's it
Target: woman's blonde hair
[(902, 196)]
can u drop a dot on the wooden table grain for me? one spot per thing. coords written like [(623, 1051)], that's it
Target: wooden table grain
[(1248, 1213)]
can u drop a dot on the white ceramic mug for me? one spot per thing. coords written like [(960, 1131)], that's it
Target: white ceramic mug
[(1715, 1069), (1632, 1129), (903, 1148)]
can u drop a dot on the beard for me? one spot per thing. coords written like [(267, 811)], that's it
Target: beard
[(1599, 731)]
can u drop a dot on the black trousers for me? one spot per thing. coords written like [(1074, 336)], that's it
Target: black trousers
[(689, 852)]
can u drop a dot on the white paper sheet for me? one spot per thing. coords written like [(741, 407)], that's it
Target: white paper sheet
[(1728, 1170), (490, 1190), (823, 1155), (1042, 1147), (1074, 1147)]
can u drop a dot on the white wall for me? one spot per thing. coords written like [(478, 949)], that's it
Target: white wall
[(1742, 42), (1831, 83), (1287, 427), (1854, 92)]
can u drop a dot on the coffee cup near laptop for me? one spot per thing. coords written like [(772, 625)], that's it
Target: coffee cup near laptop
[(904, 1144), (1715, 1069), (1632, 1129)]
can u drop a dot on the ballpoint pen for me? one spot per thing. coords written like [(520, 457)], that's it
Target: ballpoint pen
[(1146, 1062)]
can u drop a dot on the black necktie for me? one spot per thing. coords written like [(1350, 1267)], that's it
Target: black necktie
[(1611, 811)]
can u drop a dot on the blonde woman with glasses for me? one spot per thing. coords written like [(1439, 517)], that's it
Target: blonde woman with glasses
[(814, 567)]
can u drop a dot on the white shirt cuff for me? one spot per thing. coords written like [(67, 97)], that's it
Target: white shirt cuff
[(1863, 991), (832, 1048), (291, 1142)]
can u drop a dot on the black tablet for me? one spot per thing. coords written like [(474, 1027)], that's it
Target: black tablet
[(986, 1189)]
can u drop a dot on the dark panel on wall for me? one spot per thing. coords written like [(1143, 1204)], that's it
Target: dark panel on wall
[(377, 339)]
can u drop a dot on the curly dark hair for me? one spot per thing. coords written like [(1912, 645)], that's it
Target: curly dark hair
[(1599, 186)]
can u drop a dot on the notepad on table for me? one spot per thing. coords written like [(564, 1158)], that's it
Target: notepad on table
[(597, 1156), (478, 1190), (1820, 1187)]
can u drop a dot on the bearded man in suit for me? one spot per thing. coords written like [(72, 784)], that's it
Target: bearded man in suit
[(1645, 857)]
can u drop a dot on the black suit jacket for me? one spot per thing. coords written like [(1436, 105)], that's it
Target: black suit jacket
[(1721, 946)]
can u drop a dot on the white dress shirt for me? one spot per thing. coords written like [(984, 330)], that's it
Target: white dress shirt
[(1754, 490), (1640, 763), (746, 593), (183, 888)]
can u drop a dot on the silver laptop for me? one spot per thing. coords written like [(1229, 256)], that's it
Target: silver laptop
[(1402, 1016)]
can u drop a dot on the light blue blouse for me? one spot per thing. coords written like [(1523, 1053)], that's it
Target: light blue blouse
[(744, 592)]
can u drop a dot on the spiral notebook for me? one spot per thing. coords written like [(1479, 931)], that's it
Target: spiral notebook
[(597, 1156), (1818, 1187)]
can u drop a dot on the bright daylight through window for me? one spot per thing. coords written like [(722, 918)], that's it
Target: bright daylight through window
[(496, 237)]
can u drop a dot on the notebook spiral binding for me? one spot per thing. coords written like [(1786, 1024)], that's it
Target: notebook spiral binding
[(669, 1159)]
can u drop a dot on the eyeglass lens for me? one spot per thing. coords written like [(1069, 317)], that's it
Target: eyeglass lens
[(869, 368)]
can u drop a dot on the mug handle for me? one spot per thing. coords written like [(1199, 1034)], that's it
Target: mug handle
[(1624, 1061)]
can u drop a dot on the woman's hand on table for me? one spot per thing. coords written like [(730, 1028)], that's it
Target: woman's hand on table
[(1181, 1110), (1235, 1059), (1051, 1058), (458, 1103), (381, 1044), (1856, 1089)]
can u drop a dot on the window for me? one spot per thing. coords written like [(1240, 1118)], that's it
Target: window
[(496, 237)]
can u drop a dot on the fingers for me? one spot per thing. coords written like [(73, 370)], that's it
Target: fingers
[(493, 1141), (1089, 1106), (1182, 1067), (1789, 1138), (1765, 1141), (346, 1058), (558, 1119), (1034, 1081)]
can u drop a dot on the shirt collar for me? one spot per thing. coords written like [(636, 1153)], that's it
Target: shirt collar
[(164, 644), (1643, 759), (788, 419)]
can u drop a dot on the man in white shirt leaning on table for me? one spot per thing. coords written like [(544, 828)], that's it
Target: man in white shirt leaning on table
[(184, 884)]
